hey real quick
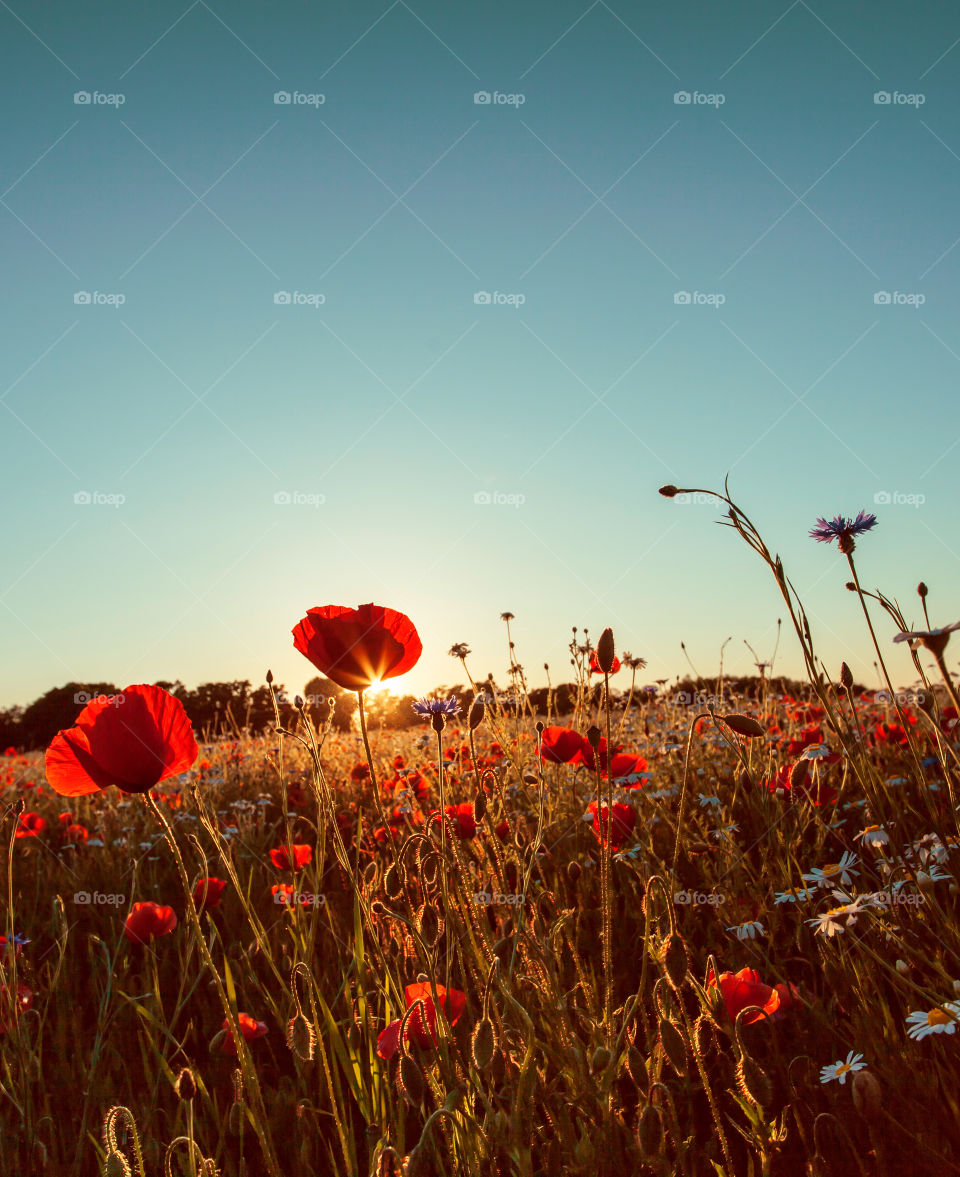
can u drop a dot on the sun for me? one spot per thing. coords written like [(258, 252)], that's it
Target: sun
[(377, 687)]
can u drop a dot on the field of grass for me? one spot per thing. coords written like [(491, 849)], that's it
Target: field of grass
[(752, 968)]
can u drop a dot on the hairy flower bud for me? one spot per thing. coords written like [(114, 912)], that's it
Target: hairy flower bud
[(669, 491), (476, 714), (185, 1085), (605, 651), (846, 678), (922, 590), (743, 725)]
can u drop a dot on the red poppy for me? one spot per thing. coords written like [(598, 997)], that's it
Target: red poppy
[(75, 833), (280, 857), (745, 988), (462, 817), (357, 647), (563, 745), (389, 1041), (10, 751), (7, 1007), (595, 665), (626, 764), (208, 893), (624, 819), (30, 825), (132, 740), (360, 772), (147, 921), (250, 1028)]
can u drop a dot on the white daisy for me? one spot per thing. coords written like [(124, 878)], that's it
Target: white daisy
[(748, 931), (834, 872), (873, 836), (840, 1069), (793, 895), (829, 923), (942, 1019)]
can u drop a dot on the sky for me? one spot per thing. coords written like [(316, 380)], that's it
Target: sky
[(420, 303)]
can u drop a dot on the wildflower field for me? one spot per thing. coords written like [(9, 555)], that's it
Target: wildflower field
[(621, 929)]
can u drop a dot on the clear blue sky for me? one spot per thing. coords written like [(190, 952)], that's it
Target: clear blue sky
[(383, 410)]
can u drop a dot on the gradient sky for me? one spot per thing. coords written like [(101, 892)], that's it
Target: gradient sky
[(383, 411)]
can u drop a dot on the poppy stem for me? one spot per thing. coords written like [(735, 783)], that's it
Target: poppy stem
[(243, 1056), (388, 833)]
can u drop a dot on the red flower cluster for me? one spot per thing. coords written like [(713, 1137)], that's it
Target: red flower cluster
[(422, 1032), (302, 856), (250, 1028), (743, 989), (147, 921)]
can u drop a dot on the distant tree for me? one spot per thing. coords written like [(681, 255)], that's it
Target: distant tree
[(58, 709)]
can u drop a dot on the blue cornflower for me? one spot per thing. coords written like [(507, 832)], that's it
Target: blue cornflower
[(427, 708), (843, 530)]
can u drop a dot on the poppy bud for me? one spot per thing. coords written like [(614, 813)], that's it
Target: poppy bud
[(429, 925), (117, 1166), (605, 651), (673, 1046), (301, 1036), (846, 678), (269, 677), (370, 873), (392, 882), (378, 908), (798, 774), (925, 881), (480, 806), (650, 1130), (850, 586), (867, 1096), (637, 1066), (410, 1080), (674, 960), (574, 871), (743, 725), (922, 590), (753, 1081), (483, 1044), (600, 1060), (185, 1085), (540, 726), (476, 715), (298, 701), (593, 736), (669, 491)]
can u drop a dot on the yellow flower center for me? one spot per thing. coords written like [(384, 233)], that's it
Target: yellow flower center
[(843, 1070), (831, 868), (938, 1017), (835, 911), (871, 829)]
